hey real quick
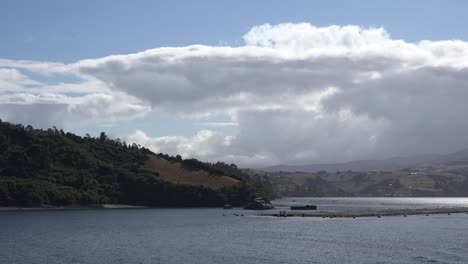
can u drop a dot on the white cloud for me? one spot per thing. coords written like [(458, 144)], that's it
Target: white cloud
[(219, 124), (41, 67), (11, 80), (295, 92), (67, 105), (47, 110), (304, 37), (205, 143)]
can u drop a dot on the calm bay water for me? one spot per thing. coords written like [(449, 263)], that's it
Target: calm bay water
[(366, 203), (218, 236)]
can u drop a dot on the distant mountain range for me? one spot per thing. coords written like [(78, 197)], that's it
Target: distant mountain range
[(369, 165)]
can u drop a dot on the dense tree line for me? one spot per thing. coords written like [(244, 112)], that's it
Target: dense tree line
[(52, 167)]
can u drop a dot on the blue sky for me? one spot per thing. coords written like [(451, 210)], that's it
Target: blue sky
[(324, 81), (68, 31)]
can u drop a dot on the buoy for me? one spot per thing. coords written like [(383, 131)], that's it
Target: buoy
[(378, 216)]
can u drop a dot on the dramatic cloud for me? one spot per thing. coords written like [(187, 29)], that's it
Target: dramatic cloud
[(205, 143), (296, 94), (67, 105)]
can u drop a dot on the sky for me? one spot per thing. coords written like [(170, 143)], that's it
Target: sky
[(256, 83)]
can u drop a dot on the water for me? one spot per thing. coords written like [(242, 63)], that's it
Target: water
[(218, 236), (377, 203)]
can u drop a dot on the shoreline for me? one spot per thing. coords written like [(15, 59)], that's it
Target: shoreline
[(99, 206), (72, 207), (367, 213)]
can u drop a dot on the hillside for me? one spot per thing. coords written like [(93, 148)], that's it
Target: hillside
[(421, 175), (385, 164), (403, 182), (174, 172), (51, 167)]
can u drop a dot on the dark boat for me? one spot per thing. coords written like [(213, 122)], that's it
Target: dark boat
[(305, 207), (258, 204)]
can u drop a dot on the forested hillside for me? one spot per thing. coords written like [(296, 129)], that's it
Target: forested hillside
[(52, 167)]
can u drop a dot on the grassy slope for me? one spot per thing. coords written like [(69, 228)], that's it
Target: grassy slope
[(174, 172)]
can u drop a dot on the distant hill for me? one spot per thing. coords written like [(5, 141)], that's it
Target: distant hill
[(51, 167), (423, 175), (416, 182), (369, 165), (459, 156)]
